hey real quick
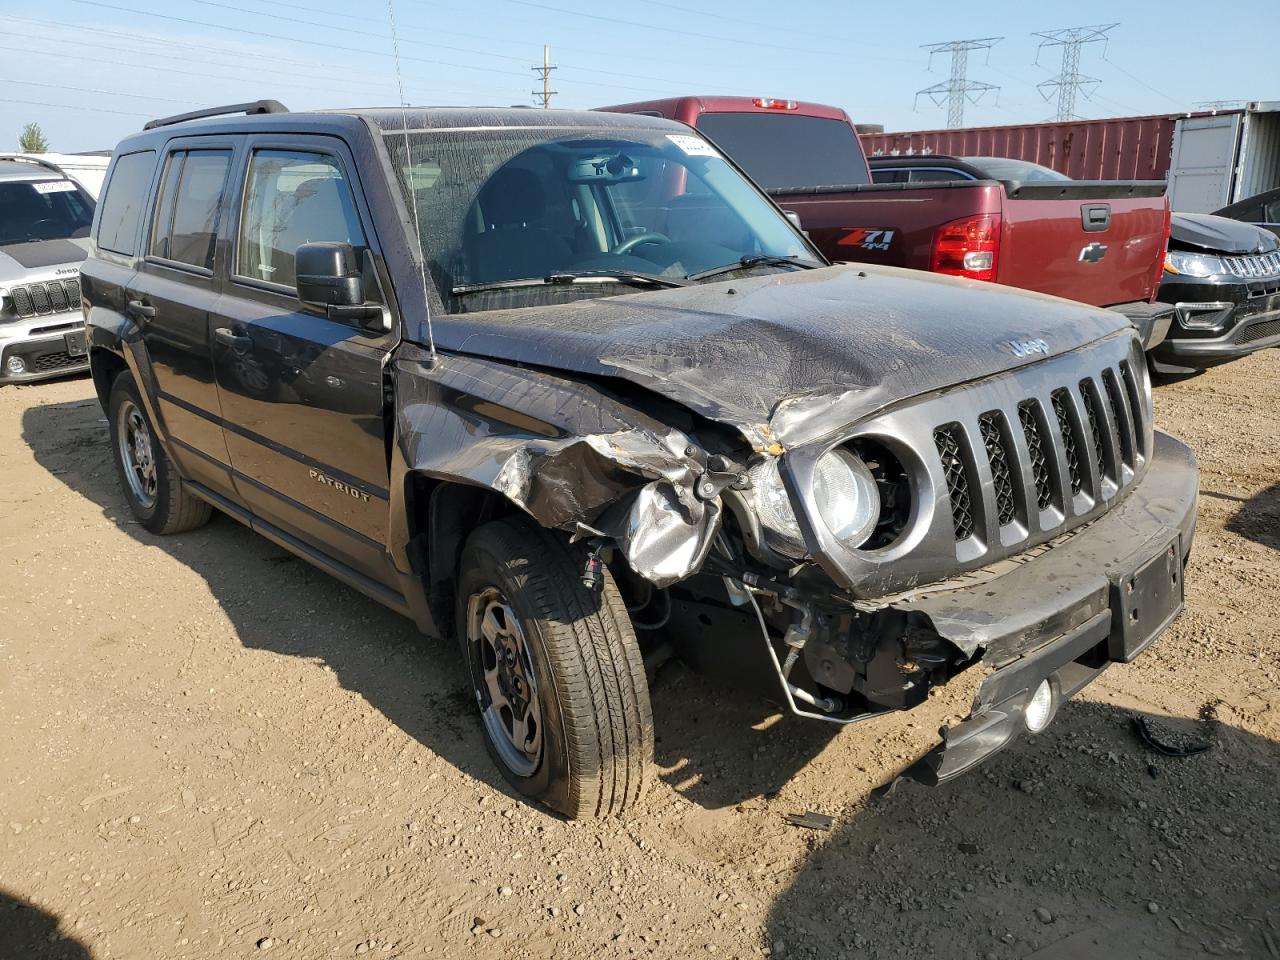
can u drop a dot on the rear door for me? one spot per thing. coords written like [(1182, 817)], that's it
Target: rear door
[(173, 293), (303, 395)]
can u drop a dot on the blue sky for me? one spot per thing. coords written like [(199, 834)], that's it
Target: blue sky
[(91, 71)]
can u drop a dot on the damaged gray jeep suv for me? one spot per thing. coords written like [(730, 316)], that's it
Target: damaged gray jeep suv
[(569, 387)]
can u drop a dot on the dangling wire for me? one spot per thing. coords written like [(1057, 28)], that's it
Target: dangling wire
[(413, 191)]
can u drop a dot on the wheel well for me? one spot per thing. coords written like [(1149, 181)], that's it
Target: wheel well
[(442, 515), (105, 366)]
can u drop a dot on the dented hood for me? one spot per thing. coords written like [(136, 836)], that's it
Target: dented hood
[(787, 357), (1220, 234)]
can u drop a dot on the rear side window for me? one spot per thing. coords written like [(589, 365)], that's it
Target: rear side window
[(782, 150), (186, 223), (123, 202), (292, 198)]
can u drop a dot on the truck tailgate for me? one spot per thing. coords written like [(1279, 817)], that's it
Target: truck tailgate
[(1098, 242), (892, 224)]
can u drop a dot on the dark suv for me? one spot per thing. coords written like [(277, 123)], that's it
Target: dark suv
[(569, 387)]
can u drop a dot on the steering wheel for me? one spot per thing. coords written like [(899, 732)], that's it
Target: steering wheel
[(626, 246)]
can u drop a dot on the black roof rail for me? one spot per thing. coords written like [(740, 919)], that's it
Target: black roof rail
[(257, 106)]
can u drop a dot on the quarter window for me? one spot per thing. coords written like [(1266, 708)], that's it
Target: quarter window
[(186, 223), (122, 204), (292, 198)]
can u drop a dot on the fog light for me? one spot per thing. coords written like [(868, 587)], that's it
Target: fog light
[(1039, 708), (15, 365)]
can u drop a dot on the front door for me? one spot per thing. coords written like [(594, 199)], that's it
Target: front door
[(171, 298), (302, 396)]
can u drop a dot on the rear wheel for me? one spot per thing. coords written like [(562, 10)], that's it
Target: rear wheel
[(556, 671), (151, 485)]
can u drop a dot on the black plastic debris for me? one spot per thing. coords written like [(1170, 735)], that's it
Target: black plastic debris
[(1187, 748), (810, 820)]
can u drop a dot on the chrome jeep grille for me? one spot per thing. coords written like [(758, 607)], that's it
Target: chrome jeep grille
[(999, 466), (1254, 268), (41, 299), (1080, 449)]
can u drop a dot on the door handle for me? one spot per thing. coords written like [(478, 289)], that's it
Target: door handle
[(141, 310), (234, 340)]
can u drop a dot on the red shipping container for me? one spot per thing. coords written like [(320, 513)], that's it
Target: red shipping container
[(1118, 148)]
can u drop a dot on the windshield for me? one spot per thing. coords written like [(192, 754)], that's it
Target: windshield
[(43, 210), (783, 151), (999, 168), (531, 203)]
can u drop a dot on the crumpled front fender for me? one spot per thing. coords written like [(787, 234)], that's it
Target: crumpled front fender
[(564, 452)]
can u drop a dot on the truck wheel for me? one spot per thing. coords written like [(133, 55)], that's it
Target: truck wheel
[(151, 485), (556, 671)]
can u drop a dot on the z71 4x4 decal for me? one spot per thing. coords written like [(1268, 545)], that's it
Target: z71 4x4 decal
[(868, 238)]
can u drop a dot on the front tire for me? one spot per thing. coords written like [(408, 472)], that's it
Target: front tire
[(556, 671), (155, 493)]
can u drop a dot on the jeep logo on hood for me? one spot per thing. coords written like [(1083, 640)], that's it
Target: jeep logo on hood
[(1025, 348)]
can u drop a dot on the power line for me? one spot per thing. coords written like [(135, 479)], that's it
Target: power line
[(334, 46), (958, 88), (216, 50), (1070, 80), (434, 29), (422, 43), (1138, 80), (109, 93), (683, 8), (666, 29), (544, 72), (68, 106)]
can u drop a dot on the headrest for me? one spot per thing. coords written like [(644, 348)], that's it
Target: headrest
[(512, 195)]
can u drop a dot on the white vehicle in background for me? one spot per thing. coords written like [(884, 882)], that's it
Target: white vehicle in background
[(87, 169), (45, 216)]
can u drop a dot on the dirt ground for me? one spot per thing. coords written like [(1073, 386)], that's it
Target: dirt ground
[(208, 749)]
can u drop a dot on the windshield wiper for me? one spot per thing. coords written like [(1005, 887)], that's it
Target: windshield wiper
[(567, 277), (754, 260)]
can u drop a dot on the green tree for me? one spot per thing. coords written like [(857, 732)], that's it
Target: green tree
[(32, 140)]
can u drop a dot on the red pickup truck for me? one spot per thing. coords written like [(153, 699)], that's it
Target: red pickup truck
[(1100, 242)]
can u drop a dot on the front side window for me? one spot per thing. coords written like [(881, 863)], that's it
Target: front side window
[(186, 219), (292, 198), (539, 204)]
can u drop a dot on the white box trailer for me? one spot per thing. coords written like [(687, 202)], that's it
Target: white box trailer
[(1220, 158)]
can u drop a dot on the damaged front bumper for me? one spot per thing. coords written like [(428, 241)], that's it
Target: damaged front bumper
[(1101, 597), (1060, 617)]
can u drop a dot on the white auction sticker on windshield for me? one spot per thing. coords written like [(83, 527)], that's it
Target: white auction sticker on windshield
[(54, 186), (693, 146)]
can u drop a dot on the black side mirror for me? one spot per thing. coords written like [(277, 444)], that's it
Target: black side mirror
[(327, 275)]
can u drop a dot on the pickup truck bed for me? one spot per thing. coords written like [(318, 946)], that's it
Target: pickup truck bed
[(1039, 231)]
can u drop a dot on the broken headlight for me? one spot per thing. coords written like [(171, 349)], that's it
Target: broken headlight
[(844, 492)]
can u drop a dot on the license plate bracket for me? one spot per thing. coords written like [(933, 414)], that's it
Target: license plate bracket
[(75, 343), (1145, 601)]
